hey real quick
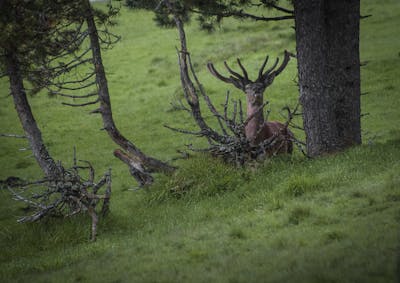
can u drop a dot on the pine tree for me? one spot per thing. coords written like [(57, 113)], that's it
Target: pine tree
[(30, 35)]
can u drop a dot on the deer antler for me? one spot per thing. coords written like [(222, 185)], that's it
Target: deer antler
[(268, 76), (243, 70), (236, 79), (240, 81)]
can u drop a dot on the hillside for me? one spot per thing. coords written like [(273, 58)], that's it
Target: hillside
[(291, 219)]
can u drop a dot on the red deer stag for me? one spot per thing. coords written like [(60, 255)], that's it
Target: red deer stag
[(257, 130)]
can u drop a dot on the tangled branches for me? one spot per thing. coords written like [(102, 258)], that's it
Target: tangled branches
[(66, 195)]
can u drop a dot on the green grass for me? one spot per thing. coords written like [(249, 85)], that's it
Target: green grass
[(331, 219)]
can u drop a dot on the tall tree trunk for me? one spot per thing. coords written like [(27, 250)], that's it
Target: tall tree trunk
[(327, 36), (140, 164), (42, 156)]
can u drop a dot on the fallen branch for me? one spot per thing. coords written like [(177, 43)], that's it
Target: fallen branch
[(65, 195)]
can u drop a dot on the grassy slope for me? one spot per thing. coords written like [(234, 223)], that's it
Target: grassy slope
[(334, 219)]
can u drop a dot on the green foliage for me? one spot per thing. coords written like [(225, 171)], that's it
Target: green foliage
[(227, 225), (298, 214), (299, 185), (45, 38), (209, 13), (29, 28)]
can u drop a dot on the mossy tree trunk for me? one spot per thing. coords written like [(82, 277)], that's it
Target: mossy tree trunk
[(28, 122)]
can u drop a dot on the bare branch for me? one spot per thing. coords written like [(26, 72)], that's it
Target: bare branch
[(244, 15), (234, 113), (13, 136), (107, 194), (199, 134), (135, 168), (241, 112), (279, 8), (81, 104), (73, 96), (84, 79), (362, 17), (187, 84), (206, 97)]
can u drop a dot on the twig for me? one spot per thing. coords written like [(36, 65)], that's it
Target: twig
[(242, 14), (81, 104), (13, 136)]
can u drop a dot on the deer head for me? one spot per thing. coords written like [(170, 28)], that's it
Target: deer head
[(254, 90)]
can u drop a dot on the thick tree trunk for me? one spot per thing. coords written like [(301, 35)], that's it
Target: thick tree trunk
[(140, 164), (327, 36), (42, 156)]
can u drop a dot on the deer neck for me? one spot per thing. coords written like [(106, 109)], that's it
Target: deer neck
[(253, 127)]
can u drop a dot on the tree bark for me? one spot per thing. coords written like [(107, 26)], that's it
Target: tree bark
[(32, 131), (137, 159), (327, 37)]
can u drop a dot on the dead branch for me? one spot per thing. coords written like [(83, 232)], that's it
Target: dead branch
[(244, 15), (362, 17), (142, 176), (64, 195), (81, 104), (279, 8), (199, 134), (13, 136), (190, 91), (73, 96)]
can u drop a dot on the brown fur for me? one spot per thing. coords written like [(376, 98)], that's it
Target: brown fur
[(283, 135)]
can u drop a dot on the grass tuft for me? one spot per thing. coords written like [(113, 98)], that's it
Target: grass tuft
[(298, 214), (299, 185)]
